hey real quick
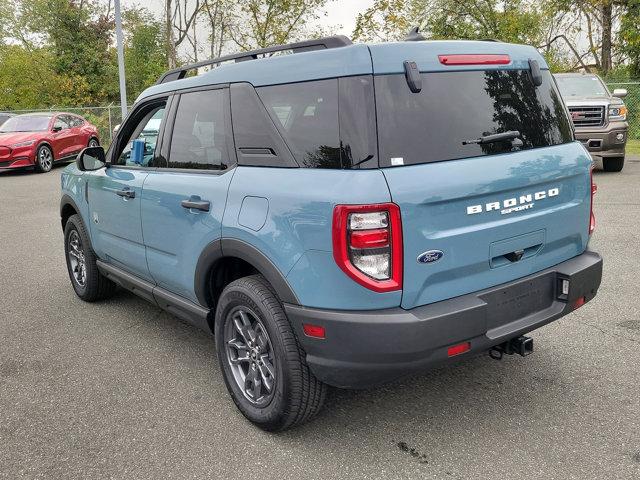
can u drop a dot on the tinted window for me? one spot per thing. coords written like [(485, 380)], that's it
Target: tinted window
[(358, 143), (456, 107), (26, 123), (200, 132), (143, 129), (307, 116), (257, 140)]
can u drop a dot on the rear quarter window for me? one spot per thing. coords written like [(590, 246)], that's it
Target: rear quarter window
[(326, 123), (455, 107)]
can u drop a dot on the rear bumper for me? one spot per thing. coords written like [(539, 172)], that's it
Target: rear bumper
[(604, 142), (365, 348)]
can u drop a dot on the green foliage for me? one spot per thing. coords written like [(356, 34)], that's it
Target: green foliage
[(260, 23), (516, 21), (509, 21), (79, 39), (145, 56), (28, 79), (61, 53), (387, 20), (629, 36)]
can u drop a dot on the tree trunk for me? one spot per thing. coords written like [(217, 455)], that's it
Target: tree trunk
[(607, 14), (170, 42)]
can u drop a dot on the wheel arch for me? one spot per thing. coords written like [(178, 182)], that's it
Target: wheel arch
[(68, 207), (47, 144), (227, 259)]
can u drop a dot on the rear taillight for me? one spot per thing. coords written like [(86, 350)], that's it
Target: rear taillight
[(592, 217), (367, 244)]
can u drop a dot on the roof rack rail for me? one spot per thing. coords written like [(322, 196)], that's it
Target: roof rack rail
[(298, 47)]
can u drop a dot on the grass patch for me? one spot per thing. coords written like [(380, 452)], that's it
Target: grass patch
[(633, 147)]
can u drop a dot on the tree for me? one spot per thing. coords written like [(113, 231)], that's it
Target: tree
[(144, 51), (219, 20), (629, 36), (387, 20), (180, 16), (78, 37), (263, 23), (28, 80), (511, 20), (595, 21)]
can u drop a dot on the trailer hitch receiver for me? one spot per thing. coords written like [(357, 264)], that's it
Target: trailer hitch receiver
[(521, 345)]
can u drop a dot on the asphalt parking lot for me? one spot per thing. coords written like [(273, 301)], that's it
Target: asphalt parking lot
[(121, 389)]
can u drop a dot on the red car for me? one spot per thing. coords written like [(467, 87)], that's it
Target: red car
[(40, 139)]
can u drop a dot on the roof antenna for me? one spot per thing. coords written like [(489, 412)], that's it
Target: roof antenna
[(414, 35)]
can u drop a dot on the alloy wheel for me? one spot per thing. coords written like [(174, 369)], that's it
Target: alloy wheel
[(250, 356), (45, 158), (76, 258)]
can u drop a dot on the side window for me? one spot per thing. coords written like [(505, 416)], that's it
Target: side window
[(307, 116), (61, 123), (257, 140), (141, 133), (200, 132), (71, 120), (358, 142), (77, 121)]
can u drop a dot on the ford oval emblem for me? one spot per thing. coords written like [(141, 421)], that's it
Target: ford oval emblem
[(430, 256)]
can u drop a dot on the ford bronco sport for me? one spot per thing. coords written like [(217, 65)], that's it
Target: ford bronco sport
[(342, 214), (599, 116)]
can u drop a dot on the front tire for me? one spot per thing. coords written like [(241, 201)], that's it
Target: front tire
[(44, 159), (614, 164), (89, 284), (263, 365)]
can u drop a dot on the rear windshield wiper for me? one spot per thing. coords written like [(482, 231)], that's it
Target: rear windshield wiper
[(496, 137)]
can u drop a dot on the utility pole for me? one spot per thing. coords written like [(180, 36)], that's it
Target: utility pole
[(119, 43)]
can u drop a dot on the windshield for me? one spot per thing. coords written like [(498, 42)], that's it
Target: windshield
[(30, 123), (585, 86), (447, 119)]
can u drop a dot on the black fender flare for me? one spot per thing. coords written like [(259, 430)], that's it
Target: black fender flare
[(66, 201), (231, 247)]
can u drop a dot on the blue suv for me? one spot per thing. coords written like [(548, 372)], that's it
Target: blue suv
[(342, 214)]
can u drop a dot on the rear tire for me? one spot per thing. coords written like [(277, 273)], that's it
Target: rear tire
[(614, 164), (87, 281), (93, 142), (44, 159), (271, 355)]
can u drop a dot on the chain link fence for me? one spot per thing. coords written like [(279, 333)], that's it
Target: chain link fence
[(104, 118), (632, 100)]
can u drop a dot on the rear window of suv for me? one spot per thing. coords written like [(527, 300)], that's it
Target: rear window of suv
[(457, 107)]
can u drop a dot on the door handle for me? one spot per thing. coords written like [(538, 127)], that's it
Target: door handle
[(126, 193), (203, 205)]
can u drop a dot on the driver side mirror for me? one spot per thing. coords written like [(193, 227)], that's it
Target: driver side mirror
[(620, 92), (56, 129), (91, 158)]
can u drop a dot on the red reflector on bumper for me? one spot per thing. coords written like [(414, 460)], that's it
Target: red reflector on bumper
[(467, 59), (315, 331), (579, 302), (458, 349)]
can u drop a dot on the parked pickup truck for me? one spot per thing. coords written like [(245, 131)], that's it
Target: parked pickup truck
[(599, 117), (342, 214)]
